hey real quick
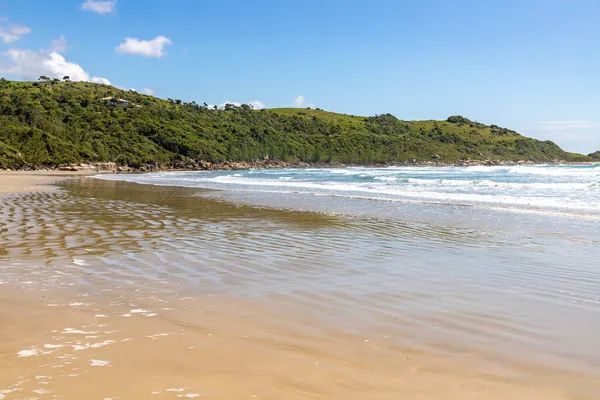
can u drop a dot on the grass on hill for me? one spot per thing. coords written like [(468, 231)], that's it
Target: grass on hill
[(52, 122)]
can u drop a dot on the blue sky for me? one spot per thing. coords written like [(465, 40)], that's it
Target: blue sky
[(530, 65)]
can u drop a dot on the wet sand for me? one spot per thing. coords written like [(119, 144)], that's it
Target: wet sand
[(114, 290), (218, 348)]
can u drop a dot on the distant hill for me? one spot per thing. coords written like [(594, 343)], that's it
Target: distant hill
[(50, 123), (595, 155)]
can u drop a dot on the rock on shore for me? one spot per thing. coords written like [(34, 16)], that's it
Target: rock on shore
[(192, 165)]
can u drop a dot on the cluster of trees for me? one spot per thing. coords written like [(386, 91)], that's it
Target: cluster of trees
[(63, 122), (459, 120), (46, 79)]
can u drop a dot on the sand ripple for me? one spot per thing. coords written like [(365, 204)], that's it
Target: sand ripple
[(119, 252)]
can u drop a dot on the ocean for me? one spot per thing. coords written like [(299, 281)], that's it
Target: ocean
[(573, 189)]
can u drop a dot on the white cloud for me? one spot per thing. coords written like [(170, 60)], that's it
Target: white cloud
[(299, 101), (100, 80), (30, 64), (148, 91), (148, 48), (257, 105), (59, 45), (99, 6), (13, 33)]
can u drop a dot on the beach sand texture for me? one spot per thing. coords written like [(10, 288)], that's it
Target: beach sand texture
[(121, 291), (30, 181)]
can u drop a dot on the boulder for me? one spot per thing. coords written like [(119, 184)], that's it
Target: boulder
[(105, 166)]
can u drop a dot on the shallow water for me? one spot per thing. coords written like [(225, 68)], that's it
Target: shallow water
[(513, 296), (551, 188)]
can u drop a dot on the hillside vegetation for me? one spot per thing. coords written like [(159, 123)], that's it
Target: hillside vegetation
[(595, 155), (50, 123)]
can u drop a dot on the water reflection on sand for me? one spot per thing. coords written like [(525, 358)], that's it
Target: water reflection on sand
[(126, 290)]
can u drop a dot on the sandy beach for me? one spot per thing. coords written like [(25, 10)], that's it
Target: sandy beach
[(33, 181), (121, 291), (218, 349)]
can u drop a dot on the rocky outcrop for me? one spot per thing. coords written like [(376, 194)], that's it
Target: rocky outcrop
[(488, 162), (92, 167)]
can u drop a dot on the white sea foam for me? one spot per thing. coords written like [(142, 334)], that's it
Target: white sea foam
[(77, 331), (29, 353), (157, 335), (528, 187), (54, 346), (79, 262), (99, 363), (139, 311), (79, 347)]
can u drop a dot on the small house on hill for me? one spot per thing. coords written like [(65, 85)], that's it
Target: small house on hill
[(114, 101)]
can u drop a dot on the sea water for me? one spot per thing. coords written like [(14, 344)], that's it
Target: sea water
[(551, 188)]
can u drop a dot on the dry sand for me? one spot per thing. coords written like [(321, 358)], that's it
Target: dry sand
[(30, 181)]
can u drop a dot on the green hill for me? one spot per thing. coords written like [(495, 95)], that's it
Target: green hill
[(595, 155), (50, 123)]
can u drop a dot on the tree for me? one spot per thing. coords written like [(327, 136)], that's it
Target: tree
[(458, 119), (44, 78), (66, 78)]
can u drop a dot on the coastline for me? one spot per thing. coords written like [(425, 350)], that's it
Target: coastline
[(82, 169)]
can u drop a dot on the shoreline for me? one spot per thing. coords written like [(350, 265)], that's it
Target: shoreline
[(82, 169)]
